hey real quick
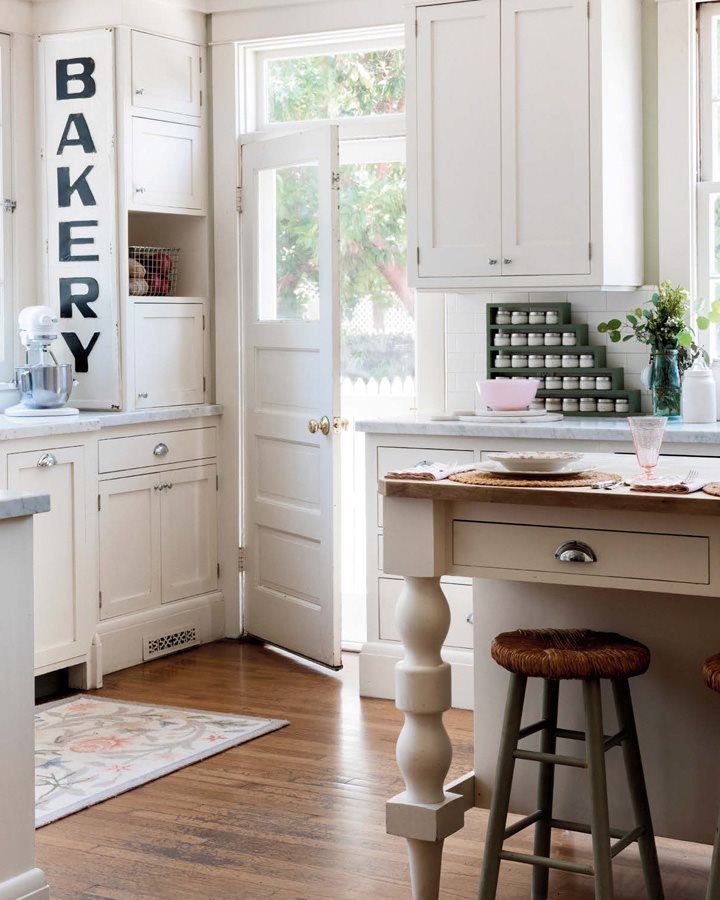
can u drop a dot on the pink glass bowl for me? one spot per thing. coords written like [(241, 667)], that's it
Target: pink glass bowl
[(515, 394)]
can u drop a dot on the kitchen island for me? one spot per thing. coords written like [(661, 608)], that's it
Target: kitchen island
[(19, 878), (656, 578)]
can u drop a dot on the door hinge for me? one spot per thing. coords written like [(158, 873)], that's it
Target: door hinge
[(10, 205), (416, 27), (336, 181), (204, 384), (238, 199), (217, 482), (201, 98), (590, 250), (218, 570), (100, 597), (241, 559), (99, 503), (588, 9), (418, 256), (203, 321), (200, 63)]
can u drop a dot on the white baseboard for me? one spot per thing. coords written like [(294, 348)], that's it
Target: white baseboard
[(377, 672), (30, 885), (121, 640)]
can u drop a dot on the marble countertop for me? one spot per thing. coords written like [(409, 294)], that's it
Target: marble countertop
[(575, 428), (15, 429), (14, 504)]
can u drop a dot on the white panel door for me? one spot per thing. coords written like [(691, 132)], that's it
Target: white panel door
[(168, 170), (458, 139), (545, 137), (129, 531), (165, 74), (189, 532), (59, 548), (291, 348), (169, 353)]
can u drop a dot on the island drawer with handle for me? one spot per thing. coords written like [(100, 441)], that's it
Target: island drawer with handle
[(460, 601), (584, 552), (144, 450)]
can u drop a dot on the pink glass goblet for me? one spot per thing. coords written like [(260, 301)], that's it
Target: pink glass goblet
[(647, 436)]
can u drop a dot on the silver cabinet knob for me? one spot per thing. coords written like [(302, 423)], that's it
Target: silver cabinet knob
[(575, 552), (140, 190), (492, 261), (470, 619), (139, 91), (142, 396), (507, 260), (161, 449), (46, 461)]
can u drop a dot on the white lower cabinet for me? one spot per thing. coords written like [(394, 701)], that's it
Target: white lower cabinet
[(61, 570), (158, 539)]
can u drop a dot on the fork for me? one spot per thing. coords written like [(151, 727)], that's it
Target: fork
[(691, 476)]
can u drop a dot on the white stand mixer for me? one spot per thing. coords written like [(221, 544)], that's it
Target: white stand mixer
[(44, 384)]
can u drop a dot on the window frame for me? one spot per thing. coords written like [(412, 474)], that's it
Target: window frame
[(7, 306)]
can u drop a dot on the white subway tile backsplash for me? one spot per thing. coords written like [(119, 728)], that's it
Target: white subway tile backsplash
[(466, 343), (462, 323), (461, 362), (588, 301)]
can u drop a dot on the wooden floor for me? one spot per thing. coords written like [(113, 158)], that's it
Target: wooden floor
[(295, 814)]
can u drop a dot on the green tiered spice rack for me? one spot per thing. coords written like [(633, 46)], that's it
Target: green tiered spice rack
[(564, 324)]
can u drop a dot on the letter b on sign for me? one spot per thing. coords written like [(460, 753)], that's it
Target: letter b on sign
[(82, 69)]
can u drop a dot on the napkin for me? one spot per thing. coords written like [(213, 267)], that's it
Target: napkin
[(678, 488), (429, 471)]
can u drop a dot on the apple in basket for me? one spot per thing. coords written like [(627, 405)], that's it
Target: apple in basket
[(514, 394), (158, 286), (163, 265)]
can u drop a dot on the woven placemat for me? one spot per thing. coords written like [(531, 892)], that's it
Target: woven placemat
[(712, 489), (490, 479)]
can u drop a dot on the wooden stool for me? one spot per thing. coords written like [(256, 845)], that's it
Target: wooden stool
[(711, 674), (555, 656)]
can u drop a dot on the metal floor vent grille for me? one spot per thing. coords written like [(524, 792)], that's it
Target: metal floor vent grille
[(162, 644)]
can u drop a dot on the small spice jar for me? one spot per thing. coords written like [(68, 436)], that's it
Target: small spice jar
[(501, 339), (541, 383), (603, 383), (552, 317), (537, 403), (569, 339), (536, 339), (587, 360), (553, 404), (519, 361), (606, 404), (519, 317), (503, 317), (588, 404), (570, 383), (622, 405), (570, 361), (587, 383), (518, 339), (553, 338), (536, 317), (503, 360), (536, 361), (553, 382), (570, 404), (553, 360)]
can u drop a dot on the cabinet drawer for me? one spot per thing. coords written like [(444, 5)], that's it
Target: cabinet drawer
[(460, 600), (620, 554), (389, 458), (138, 451)]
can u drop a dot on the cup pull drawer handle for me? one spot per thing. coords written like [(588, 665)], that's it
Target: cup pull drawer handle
[(46, 461), (575, 552), (161, 450)]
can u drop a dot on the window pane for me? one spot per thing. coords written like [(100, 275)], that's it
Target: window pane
[(378, 307), (335, 86), (289, 243)]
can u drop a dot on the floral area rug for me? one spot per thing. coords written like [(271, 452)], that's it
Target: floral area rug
[(88, 749)]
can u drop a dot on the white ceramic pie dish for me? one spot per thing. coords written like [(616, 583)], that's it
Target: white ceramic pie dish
[(535, 460)]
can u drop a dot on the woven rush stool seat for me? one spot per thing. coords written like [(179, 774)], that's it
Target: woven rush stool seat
[(711, 673), (711, 677), (572, 653), (555, 656)]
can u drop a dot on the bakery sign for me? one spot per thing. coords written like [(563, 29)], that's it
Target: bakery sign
[(80, 226)]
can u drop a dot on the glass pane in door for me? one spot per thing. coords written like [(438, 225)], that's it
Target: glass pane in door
[(289, 243)]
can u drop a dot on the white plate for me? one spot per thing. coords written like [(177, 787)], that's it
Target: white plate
[(500, 413), (572, 469), (535, 460), (518, 418)]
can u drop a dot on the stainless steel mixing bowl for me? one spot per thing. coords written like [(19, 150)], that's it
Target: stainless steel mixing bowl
[(44, 387)]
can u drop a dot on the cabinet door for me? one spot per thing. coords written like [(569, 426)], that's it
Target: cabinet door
[(168, 170), (165, 74), (545, 137), (129, 525), (59, 546), (458, 139), (189, 532), (169, 352)]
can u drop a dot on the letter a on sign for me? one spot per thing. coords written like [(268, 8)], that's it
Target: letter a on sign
[(80, 218)]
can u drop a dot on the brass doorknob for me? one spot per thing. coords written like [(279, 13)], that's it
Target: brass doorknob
[(339, 424), (323, 425)]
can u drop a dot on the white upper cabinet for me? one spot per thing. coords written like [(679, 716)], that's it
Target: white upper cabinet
[(166, 75), (168, 166), (525, 144)]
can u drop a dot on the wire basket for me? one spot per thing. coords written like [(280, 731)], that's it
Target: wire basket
[(153, 271)]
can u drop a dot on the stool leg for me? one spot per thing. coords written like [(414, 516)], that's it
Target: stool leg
[(546, 784), (503, 783), (595, 744), (638, 791), (713, 891)]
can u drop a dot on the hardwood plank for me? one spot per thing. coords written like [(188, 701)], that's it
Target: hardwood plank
[(298, 814)]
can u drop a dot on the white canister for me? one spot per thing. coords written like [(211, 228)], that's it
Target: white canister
[(536, 361), (587, 383), (518, 339), (603, 383), (537, 403), (569, 338), (588, 404), (536, 317), (503, 317), (570, 383), (553, 404), (501, 339), (570, 361), (553, 339), (622, 405), (553, 361), (570, 404), (519, 361), (715, 369), (536, 339), (699, 396), (519, 317), (606, 404), (587, 360), (503, 360), (553, 383), (552, 317)]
